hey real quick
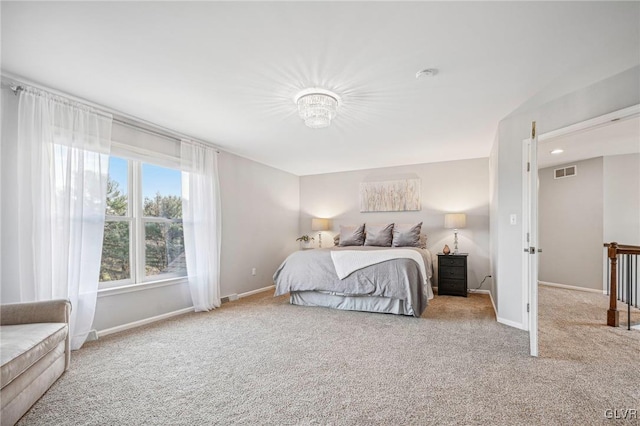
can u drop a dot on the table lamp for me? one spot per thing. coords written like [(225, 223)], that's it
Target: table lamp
[(320, 225), (455, 221)]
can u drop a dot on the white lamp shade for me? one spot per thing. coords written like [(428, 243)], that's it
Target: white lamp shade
[(455, 220), (319, 224)]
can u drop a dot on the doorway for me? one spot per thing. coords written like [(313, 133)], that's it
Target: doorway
[(564, 157)]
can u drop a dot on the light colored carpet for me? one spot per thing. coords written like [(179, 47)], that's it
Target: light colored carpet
[(262, 361), (572, 326)]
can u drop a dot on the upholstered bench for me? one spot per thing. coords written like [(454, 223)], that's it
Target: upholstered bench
[(34, 352)]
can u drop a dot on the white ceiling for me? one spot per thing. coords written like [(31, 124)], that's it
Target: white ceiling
[(613, 138), (227, 72)]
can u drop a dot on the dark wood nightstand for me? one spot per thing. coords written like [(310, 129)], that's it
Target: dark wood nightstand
[(452, 274)]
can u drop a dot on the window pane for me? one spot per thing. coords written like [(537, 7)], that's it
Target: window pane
[(115, 252), (162, 192), (117, 187), (164, 249)]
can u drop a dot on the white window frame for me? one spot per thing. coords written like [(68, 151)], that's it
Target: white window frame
[(137, 222)]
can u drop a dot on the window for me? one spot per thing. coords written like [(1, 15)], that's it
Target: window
[(143, 235)]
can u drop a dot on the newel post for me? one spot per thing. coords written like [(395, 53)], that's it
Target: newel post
[(612, 314)]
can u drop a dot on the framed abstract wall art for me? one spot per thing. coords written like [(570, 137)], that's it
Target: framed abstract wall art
[(390, 196)]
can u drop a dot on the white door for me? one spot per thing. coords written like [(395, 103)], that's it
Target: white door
[(531, 228)]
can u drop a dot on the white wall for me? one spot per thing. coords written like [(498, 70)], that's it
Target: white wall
[(453, 186), (9, 286), (9, 291), (260, 208), (622, 199), (611, 94), (116, 308), (570, 215), (260, 216)]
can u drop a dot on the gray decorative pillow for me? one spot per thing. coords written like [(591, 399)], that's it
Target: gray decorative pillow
[(379, 235), (351, 235), (336, 240), (406, 235)]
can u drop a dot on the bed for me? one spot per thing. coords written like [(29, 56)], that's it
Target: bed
[(360, 278)]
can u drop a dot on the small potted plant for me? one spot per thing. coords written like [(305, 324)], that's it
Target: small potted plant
[(305, 241)]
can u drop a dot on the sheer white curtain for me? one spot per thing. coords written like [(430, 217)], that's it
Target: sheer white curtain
[(201, 221), (63, 160)]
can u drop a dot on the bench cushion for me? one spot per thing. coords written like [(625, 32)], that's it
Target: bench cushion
[(24, 344)]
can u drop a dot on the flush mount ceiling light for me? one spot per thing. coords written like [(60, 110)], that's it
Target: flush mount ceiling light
[(557, 151), (317, 107)]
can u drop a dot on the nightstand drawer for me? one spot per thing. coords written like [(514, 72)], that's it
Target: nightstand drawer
[(452, 274), (455, 287), (452, 261), (457, 273)]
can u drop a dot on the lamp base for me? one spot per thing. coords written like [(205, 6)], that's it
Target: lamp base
[(455, 241)]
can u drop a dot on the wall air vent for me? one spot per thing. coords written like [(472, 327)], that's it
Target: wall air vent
[(565, 172)]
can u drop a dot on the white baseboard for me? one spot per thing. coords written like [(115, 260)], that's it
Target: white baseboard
[(483, 291), (260, 290), (480, 291), (145, 321), (504, 321), (571, 287), (493, 302), (511, 323)]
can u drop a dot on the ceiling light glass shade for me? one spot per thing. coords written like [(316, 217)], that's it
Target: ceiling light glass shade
[(317, 107)]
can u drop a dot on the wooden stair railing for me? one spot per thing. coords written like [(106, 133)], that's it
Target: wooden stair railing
[(613, 250)]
